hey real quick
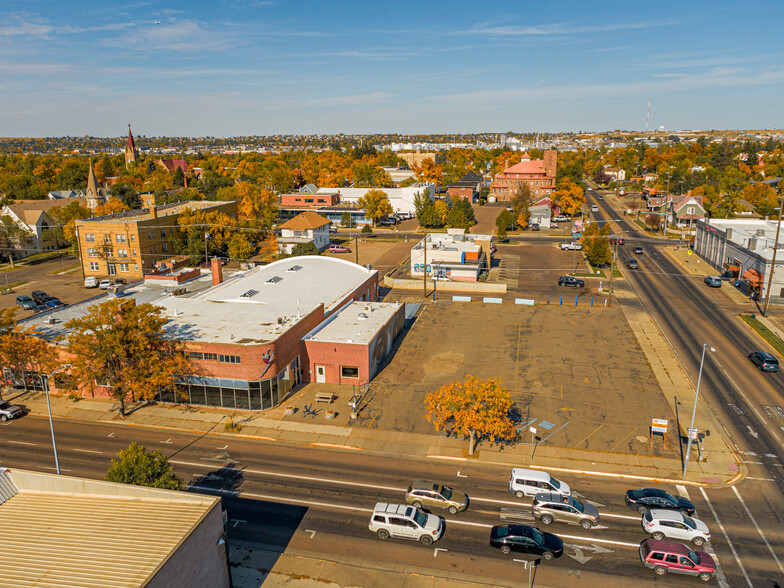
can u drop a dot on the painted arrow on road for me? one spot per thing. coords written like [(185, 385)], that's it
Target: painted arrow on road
[(580, 557)]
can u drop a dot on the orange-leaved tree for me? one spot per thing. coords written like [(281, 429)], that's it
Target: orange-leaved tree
[(22, 351), (123, 346), (474, 409)]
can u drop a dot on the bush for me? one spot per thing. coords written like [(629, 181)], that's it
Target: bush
[(367, 229)]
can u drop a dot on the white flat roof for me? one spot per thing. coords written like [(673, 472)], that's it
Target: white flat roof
[(744, 229), (357, 323)]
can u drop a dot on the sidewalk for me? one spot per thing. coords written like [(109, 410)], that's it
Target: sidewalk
[(720, 468)]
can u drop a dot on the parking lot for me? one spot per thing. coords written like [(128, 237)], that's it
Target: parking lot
[(577, 374)]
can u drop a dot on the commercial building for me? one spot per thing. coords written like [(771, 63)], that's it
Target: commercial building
[(743, 249), (417, 158), (466, 187), (128, 244), (401, 199), (537, 174), (455, 255), (61, 530), (248, 336), (306, 227)]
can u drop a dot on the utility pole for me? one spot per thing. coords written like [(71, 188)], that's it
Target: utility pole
[(206, 256), (773, 262), (356, 249), (424, 269), (612, 270)]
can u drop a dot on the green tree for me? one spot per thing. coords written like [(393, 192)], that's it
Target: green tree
[(376, 205), (178, 178), (240, 246), (305, 249), (140, 467), (123, 346), (458, 219), (596, 244), (345, 220), (127, 195), (65, 218), (474, 409), (522, 198), (505, 221)]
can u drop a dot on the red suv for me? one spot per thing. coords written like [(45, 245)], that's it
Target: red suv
[(668, 556)]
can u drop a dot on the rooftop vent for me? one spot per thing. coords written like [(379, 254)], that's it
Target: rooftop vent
[(249, 294), (274, 280), (294, 268), (362, 316)]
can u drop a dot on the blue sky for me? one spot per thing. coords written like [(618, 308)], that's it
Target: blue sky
[(256, 67)]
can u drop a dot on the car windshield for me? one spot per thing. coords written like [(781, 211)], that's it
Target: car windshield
[(578, 505), (556, 484), (533, 534), (693, 555), (446, 492), (689, 522), (420, 517), (4, 405)]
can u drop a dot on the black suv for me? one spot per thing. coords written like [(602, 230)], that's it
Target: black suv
[(40, 296), (764, 361), (571, 281)]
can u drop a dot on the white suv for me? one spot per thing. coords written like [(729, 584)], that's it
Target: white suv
[(406, 522), (673, 524)]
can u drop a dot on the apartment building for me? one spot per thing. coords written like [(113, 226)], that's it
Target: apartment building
[(538, 174), (128, 244)]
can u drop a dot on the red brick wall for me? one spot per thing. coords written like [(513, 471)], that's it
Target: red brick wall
[(467, 193), (334, 355)]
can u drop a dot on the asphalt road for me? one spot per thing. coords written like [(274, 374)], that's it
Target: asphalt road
[(747, 403), (315, 502)]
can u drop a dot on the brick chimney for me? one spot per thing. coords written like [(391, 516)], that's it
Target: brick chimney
[(217, 271), (153, 211)]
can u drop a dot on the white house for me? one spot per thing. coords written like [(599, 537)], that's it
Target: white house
[(307, 227), (401, 199), (32, 217)]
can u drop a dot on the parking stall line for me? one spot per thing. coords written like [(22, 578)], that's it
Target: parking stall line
[(756, 526), (726, 538)]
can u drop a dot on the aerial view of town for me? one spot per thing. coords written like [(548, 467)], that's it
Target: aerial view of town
[(337, 295)]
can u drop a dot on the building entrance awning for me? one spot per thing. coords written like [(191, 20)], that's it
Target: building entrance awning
[(753, 277)]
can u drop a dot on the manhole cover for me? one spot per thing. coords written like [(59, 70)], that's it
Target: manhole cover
[(641, 438)]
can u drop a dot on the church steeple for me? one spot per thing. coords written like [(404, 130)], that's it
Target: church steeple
[(131, 154), (92, 193)]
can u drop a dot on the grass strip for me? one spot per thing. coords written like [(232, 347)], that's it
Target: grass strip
[(764, 332)]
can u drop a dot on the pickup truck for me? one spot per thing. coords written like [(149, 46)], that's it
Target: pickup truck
[(574, 245)]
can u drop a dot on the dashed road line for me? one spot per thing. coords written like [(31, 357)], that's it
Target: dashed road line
[(756, 526), (87, 451), (727, 539), (20, 443)]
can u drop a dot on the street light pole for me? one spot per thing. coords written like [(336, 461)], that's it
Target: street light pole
[(773, 261), (694, 411), (49, 408)]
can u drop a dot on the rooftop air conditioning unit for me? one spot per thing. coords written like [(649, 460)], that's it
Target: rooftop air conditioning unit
[(51, 320)]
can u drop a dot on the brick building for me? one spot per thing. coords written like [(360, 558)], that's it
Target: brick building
[(128, 244), (538, 174), (250, 337), (466, 187)]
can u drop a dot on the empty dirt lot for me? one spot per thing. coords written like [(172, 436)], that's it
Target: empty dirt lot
[(576, 374)]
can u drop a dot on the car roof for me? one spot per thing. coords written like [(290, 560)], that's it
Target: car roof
[(531, 474), (765, 355), (389, 508), (553, 497), (670, 515), (670, 546)]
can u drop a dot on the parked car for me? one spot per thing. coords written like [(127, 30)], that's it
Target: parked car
[(25, 302), (594, 208), (333, 229), (441, 278), (713, 281), (9, 411), (550, 507), (764, 361), (104, 284), (534, 227), (668, 556), (525, 539), (41, 307), (39, 295), (571, 281), (631, 263), (387, 222), (616, 239), (646, 499), (91, 282), (574, 245), (674, 524), (600, 197), (638, 251), (53, 303), (561, 218), (339, 249), (432, 495), (525, 482), (405, 522)]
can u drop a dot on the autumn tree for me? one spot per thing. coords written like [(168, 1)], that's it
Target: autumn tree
[(123, 346), (569, 196), (22, 350), (596, 244), (376, 205), (522, 199), (441, 209), (140, 467), (112, 206), (763, 197), (474, 409), (65, 218)]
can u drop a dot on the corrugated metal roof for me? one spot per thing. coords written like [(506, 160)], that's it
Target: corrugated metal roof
[(62, 540)]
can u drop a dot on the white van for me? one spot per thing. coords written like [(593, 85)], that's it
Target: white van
[(532, 482), (91, 282)]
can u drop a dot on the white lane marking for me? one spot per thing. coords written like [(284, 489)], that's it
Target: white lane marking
[(167, 441), (682, 491), (224, 447), (312, 532), (760, 479), (459, 475), (595, 540), (54, 468), (437, 549), (86, 451), (722, 579), (110, 435), (20, 443), (756, 526), (752, 432)]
